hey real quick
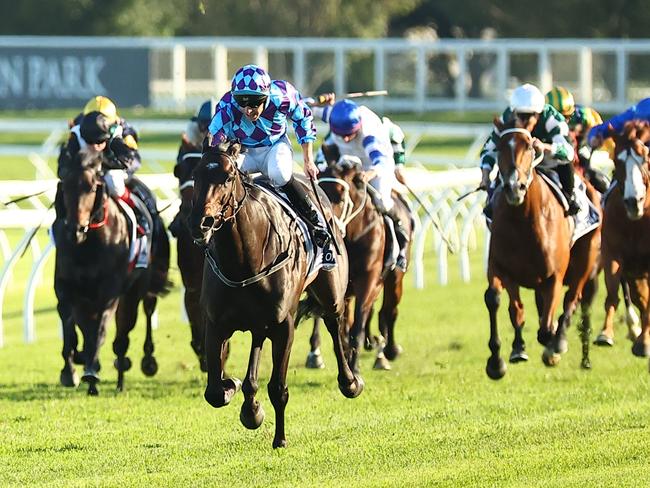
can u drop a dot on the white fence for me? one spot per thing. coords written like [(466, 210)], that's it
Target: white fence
[(437, 191), (420, 75)]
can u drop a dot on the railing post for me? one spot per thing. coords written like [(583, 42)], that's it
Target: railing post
[(339, 71), (380, 73), (461, 80), (178, 77), (586, 76), (262, 57), (299, 68), (420, 80), (544, 69), (220, 70), (621, 77)]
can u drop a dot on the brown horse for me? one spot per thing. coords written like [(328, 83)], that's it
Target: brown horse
[(189, 256), (93, 279), (530, 246), (256, 269), (365, 238), (626, 230)]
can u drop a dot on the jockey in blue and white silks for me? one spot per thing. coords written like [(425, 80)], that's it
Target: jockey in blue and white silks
[(600, 132), (257, 111), (358, 132)]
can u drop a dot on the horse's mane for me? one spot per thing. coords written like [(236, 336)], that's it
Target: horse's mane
[(231, 148), (87, 158)]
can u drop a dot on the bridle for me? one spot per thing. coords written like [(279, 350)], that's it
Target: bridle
[(220, 218), (348, 213), (535, 160), (100, 204)]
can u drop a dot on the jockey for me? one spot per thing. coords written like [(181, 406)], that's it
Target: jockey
[(357, 131), (580, 120), (550, 134), (396, 135), (599, 133), (197, 127), (105, 133), (256, 111)]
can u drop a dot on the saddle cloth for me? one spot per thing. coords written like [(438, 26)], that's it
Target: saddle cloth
[(314, 253)]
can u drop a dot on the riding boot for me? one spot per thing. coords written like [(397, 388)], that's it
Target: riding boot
[(402, 238), (298, 197), (566, 173), (598, 179), (140, 209)]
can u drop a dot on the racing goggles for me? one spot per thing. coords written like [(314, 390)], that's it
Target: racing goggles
[(252, 101)]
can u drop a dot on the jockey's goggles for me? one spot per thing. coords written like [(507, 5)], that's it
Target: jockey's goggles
[(252, 101)]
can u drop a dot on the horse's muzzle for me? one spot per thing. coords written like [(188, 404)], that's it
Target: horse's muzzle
[(514, 194), (201, 228), (75, 232)]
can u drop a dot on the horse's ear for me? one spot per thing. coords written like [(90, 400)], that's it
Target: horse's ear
[(498, 123), (610, 130)]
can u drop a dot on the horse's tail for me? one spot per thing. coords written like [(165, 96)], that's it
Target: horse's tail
[(160, 284), (308, 307)]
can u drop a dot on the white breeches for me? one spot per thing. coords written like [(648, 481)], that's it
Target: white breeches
[(384, 183), (115, 182), (275, 162)]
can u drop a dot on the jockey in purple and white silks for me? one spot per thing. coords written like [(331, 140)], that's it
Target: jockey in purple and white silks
[(257, 111), (358, 132)]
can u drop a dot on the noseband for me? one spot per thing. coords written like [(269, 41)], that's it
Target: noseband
[(348, 213), (535, 161)]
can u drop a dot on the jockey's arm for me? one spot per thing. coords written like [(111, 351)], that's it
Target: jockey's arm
[(311, 171)]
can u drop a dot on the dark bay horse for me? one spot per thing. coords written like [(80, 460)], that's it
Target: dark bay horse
[(256, 269), (93, 280), (365, 240), (530, 246), (189, 256), (626, 231)]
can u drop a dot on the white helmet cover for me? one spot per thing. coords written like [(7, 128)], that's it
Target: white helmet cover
[(527, 99)]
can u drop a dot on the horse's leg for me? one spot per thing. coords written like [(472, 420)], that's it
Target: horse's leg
[(550, 292), (496, 366), (641, 345), (356, 338), (149, 365), (282, 338), (252, 413), (588, 294), (369, 342), (125, 319), (351, 385), (94, 332), (219, 391), (190, 263), (516, 312), (315, 358), (613, 275), (631, 317), (68, 376), (393, 290)]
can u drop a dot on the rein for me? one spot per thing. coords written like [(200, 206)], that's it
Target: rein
[(248, 281), (349, 213)]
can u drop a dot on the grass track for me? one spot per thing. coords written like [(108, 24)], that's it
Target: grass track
[(434, 420)]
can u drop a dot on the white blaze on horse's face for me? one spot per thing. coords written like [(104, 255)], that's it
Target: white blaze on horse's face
[(635, 189)]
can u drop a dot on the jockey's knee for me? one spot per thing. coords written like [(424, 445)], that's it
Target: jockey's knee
[(115, 182)]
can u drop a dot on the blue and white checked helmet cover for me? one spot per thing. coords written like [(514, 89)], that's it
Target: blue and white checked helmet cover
[(251, 80)]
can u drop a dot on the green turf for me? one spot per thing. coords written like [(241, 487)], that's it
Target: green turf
[(434, 420)]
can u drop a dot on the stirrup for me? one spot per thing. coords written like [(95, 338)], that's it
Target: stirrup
[(321, 236), (573, 209), (401, 263)]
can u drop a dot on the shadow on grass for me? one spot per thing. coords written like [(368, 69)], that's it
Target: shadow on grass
[(144, 388)]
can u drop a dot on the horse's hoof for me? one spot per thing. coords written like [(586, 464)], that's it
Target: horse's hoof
[(279, 443), (382, 363), (250, 417), (354, 389), (604, 340), (92, 390), (640, 349), (550, 358), (69, 379), (78, 357), (314, 360), (518, 357), (149, 366), (369, 343), (391, 352), (585, 364), (220, 396), (543, 337), (122, 364), (496, 369), (633, 333)]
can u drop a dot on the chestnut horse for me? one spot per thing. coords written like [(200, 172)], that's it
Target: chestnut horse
[(626, 230), (530, 246), (189, 256), (93, 278), (256, 269)]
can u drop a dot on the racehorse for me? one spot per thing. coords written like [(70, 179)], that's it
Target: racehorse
[(189, 256), (530, 246), (626, 229), (256, 269), (93, 279), (365, 240)]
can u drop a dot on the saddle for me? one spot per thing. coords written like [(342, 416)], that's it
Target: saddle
[(144, 222)]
